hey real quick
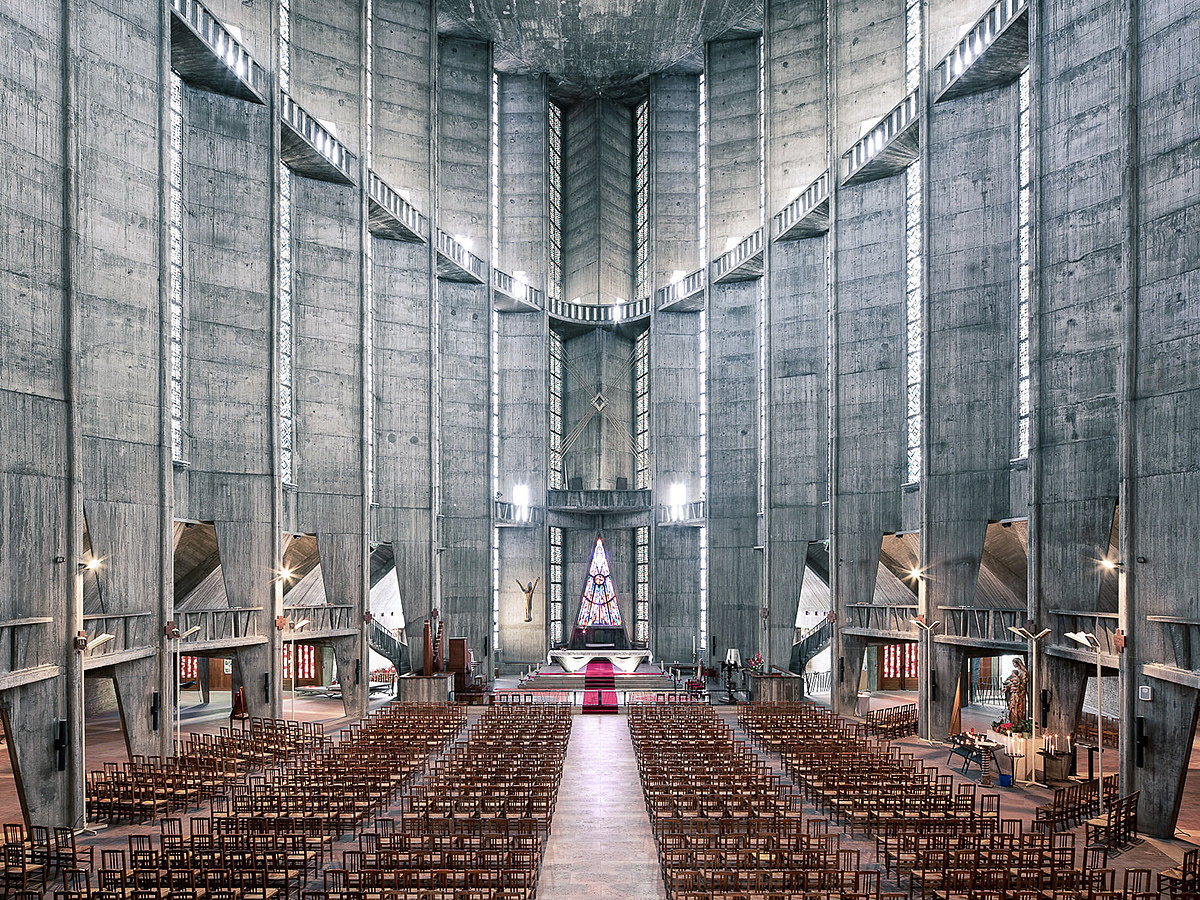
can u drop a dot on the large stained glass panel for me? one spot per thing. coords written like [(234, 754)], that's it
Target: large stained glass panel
[(598, 606)]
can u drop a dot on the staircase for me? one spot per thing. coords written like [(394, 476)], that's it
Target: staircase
[(386, 644), (813, 642), (600, 689)]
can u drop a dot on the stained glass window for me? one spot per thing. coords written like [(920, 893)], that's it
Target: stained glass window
[(286, 400), (641, 610), (176, 272), (189, 668), (641, 413), (554, 282), (285, 45), (913, 293), (762, 282), (702, 358), (305, 658), (598, 605), (557, 482), (641, 177), (900, 661), (1024, 264), (556, 586)]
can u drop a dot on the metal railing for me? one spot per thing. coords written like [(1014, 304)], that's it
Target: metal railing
[(681, 514), (812, 197), (511, 514), (21, 643), (976, 41), (749, 247), (902, 116), (517, 289), (598, 314), (216, 625), (386, 644), (130, 631), (688, 286), (896, 618), (594, 499), (397, 207), (221, 42), (450, 248), (982, 623), (316, 135), (818, 682)]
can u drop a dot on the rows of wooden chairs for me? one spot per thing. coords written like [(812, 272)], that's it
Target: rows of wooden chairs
[(893, 721), (1117, 825), (473, 824), (725, 824), (1087, 730), (1075, 804)]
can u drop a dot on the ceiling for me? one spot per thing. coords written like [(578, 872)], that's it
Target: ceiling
[(605, 47)]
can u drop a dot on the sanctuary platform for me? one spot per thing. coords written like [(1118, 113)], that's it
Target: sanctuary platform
[(627, 661)]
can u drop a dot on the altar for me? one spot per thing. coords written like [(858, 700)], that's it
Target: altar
[(573, 661)]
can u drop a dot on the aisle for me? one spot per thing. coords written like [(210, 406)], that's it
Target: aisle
[(601, 846)]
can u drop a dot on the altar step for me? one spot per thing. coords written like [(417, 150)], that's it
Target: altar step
[(564, 681), (599, 689)]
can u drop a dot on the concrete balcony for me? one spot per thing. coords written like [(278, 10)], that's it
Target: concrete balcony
[(325, 621), (685, 295), (131, 638), (25, 643), (390, 216), (456, 263), (1181, 637), (888, 148), (513, 295), (994, 52), (599, 501), (807, 215), (977, 626), (309, 148), (221, 629), (743, 263), (1102, 624), (206, 55), (689, 515), (597, 314), (509, 515), (887, 622)]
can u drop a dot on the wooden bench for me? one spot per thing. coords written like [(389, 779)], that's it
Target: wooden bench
[(1118, 825)]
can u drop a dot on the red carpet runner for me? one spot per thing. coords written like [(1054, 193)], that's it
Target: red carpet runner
[(599, 688)]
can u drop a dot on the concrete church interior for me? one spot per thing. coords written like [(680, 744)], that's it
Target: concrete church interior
[(487, 449)]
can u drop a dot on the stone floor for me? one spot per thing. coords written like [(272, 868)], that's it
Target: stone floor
[(601, 846)]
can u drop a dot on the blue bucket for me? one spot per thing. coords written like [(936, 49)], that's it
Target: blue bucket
[(1005, 780)]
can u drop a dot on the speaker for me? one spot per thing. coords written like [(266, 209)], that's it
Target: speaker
[(1044, 701), (266, 687), (933, 688), (60, 744), (1140, 741), (841, 669), (358, 671), (155, 710)]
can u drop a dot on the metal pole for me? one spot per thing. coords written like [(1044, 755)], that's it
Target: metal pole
[(1033, 711), (1100, 725), (178, 690)]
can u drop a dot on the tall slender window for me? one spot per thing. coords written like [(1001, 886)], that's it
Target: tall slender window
[(1024, 264), (702, 361), (554, 285), (641, 215), (556, 586), (495, 150), (369, 277), (762, 282), (286, 401), (557, 481), (285, 45), (641, 596), (494, 357), (913, 293), (641, 416), (176, 231)]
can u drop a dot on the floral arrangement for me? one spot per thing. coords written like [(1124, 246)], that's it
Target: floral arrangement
[(1007, 728), (755, 663)]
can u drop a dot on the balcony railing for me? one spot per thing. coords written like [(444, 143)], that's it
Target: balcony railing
[(692, 513), (597, 314), (994, 52), (684, 295), (206, 55), (598, 501), (390, 215), (1180, 639), (742, 263), (457, 263), (807, 215), (233, 626), (130, 632), (322, 620), (22, 642), (506, 513), (310, 149), (881, 620), (980, 623), (523, 296), (887, 148), (1102, 624)]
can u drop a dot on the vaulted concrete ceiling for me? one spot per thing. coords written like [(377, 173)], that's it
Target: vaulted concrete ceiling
[(603, 47)]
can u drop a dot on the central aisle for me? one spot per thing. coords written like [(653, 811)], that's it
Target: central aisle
[(601, 846)]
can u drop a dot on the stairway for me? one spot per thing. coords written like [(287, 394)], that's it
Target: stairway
[(813, 642), (599, 688)]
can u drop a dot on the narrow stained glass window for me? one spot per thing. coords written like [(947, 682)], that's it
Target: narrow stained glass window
[(1024, 265), (598, 605), (176, 273), (554, 281), (556, 586), (642, 593), (641, 175)]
